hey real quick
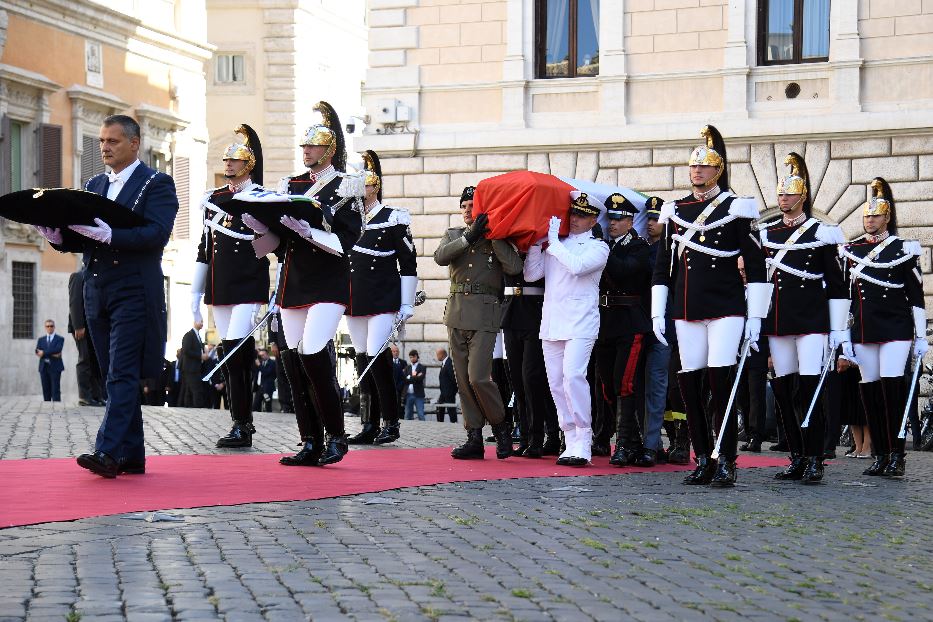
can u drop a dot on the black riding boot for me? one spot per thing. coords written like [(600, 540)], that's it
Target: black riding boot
[(388, 399), (319, 370), (679, 450), (895, 399), (815, 432), (310, 427), (502, 432), (691, 389), (784, 389), (873, 402), (720, 382), (238, 376), (369, 418), (473, 448)]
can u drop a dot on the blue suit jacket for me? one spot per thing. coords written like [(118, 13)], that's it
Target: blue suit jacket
[(136, 253), (58, 344)]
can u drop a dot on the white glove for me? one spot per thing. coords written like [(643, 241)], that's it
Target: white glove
[(848, 352), (405, 312), (101, 233), (196, 307), (409, 285), (657, 325), (52, 235), (753, 331), (301, 227), (254, 317), (553, 230), (254, 224), (274, 324), (920, 347), (837, 338)]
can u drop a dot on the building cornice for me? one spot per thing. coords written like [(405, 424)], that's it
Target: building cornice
[(95, 97), (30, 79)]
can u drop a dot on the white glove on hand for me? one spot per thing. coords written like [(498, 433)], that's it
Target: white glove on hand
[(405, 312), (101, 233), (254, 224), (837, 338), (920, 347), (301, 227), (657, 325), (553, 230), (753, 331), (254, 317), (848, 352), (52, 235)]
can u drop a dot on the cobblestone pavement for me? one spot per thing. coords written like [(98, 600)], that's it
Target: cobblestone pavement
[(637, 546)]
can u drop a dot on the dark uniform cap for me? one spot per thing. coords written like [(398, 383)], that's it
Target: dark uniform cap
[(618, 207), (467, 194), (653, 207), (582, 204)]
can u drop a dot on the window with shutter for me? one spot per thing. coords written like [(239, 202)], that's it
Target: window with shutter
[(50, 156), (182, 190), (24, 298), (91, 164)]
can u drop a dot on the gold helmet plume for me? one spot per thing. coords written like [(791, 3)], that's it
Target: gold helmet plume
[(250, 151), (880, 202), (712, 153)]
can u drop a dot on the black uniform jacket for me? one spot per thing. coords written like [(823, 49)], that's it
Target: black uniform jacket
[(706, 287), (800, 305), (627, 274), (309, 274), (882, 296), (522, 312), (234, 274), (383, 254)]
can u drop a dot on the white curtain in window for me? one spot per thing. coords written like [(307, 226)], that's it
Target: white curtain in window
[(594, 10), (815, 28), (557, 28)]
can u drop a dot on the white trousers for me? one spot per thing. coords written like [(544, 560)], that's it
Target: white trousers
[(233, 321), (565, 362), (369, 333), (882, 360), (798, 353), (709, 343), (310, 328)]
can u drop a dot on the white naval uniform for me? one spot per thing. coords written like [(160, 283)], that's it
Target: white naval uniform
[(569, 326)]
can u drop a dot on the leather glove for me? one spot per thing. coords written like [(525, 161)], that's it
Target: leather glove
[(553, 230), (657, 325), (920, 347), (301, 227), (254, 224), (51, 234), (405, 312), (479, 227), (101, 233), (753, 331)]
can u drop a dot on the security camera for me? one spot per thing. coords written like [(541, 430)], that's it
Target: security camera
[(351, 127)]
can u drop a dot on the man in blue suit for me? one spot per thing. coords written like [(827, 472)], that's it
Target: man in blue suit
[(49, 351), (124, 294)]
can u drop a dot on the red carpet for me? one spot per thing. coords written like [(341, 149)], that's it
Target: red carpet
[(40, 491)]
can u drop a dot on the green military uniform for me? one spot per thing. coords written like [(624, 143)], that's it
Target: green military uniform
[(472, 318)]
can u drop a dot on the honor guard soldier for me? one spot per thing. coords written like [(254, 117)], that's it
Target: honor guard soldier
[(624, 323), (472, 317), (705, 232), (383, 279), (571, 269), (233, 281), (886, 286), (809, 302), (314, 290)]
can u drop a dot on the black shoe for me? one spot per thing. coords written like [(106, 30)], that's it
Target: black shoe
[(335, 449), (646, 459), (795, 470), (520, 450), (308, 456), (388, 434), (896, 465), (551, 446), (782, 447), (678, 455), (619, 456), (532, 452), (132, 467), (753, 445), (366, 436), (877, 467), (703, 473), (241, 435), (473, 448), (572, 461), (99, 463), (813, 472), (725, 474), (503, 436), (601, 449)]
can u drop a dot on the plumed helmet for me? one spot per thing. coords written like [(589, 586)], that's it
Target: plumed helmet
[(373, 171), (712, 153), (328, 134), (881, 202), (797, 182), (250, 151)]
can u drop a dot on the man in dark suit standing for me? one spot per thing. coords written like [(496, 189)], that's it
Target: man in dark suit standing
[(448, 386), (49, 350), (173, 381), (192, 359), (90, 385), (265, 382), (124, 292), (398, 375), (414, 387)]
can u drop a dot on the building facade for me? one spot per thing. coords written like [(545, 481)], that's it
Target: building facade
[(617, 91), (64, 66)]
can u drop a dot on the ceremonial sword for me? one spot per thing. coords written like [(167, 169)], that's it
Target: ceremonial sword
[(419, 299), (910, 396), (735, 387), (819, 385)]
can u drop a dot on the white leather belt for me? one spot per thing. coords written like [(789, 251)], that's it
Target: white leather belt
[(524, 291)]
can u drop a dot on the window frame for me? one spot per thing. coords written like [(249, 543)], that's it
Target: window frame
[(25, 303), (540, 42), (797, 37), (244, 79)]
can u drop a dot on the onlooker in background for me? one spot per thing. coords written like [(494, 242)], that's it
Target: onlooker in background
[(49, 351), (90, 383), (281, 382), (448, 386), (265, 382), (851, 409), (192, 355), (398, 374), (174, 381), (208, 362), (414, 382), (217, 386)]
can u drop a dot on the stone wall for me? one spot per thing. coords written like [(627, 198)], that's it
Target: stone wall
[(840, 169)]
